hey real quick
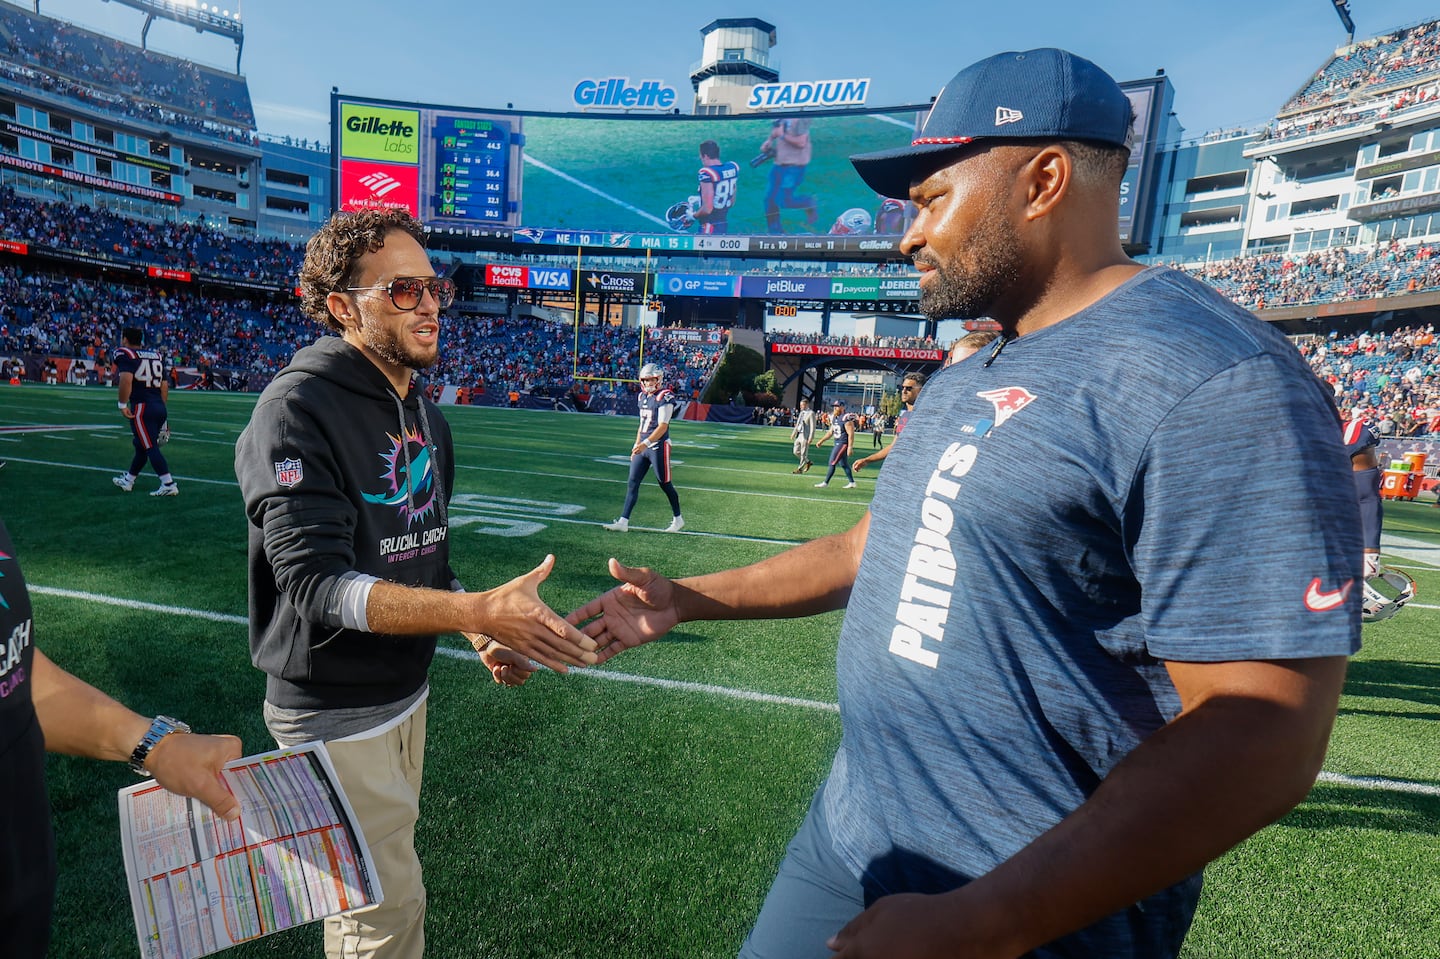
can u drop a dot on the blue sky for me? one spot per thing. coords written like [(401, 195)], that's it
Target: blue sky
[(1233, 62)]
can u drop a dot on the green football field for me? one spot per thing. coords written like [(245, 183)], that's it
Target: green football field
[(640, 809)]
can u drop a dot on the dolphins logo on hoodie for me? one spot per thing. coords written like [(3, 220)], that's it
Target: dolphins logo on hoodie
[(409, 479)]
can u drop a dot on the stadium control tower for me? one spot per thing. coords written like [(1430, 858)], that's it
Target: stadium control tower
[(736, 57)]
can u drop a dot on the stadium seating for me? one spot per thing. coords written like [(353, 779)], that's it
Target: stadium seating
[(121, 77)]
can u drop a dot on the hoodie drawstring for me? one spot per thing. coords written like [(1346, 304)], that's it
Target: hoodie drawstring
[(444, 511)]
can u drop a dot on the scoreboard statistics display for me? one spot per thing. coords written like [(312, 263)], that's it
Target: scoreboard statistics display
[(472, 158), (453, 168)]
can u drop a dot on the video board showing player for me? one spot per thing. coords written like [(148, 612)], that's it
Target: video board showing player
[(662, 182)]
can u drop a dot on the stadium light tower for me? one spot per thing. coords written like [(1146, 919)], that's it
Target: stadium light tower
[(1342, 10), (204, 17)]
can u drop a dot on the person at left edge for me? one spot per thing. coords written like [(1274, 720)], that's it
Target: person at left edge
[(44, 708), (346, 470), (144, 392)]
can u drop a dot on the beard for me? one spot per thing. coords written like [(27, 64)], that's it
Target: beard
[(385, 342), (994, 269)]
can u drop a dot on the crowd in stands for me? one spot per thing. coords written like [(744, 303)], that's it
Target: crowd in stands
[(535, 356), (182, 246), (1391, 379), (1367, 81), (1324, 276), (121, 77), (243, 342)]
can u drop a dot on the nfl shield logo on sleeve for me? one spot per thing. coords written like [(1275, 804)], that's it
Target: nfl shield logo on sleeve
[(288, 472)]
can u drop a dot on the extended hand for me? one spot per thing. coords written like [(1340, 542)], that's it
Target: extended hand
[(640, 609), (515, 615), (188, 764), (506, 665)]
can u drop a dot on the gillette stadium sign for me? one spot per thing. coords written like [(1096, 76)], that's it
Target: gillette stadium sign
[(809, 93), (617, 93)]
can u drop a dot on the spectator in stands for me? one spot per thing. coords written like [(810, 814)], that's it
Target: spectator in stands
[(1045, 765)]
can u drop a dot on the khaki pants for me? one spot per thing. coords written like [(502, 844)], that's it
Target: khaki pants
[(381, 777)]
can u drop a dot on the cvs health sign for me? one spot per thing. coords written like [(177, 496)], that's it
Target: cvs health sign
[(504, 275)]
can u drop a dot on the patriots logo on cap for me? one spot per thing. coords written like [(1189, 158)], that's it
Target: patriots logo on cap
[(1004, 115)]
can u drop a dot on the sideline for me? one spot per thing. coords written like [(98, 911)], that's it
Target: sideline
[(1359, 782)]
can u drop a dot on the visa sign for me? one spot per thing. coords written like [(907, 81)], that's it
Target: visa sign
[(809, 93), (617, 92), (549, 278)]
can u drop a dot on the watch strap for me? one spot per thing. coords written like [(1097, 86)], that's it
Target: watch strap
[(160, 727)]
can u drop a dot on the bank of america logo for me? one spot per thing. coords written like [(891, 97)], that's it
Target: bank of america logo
[(380, 184)]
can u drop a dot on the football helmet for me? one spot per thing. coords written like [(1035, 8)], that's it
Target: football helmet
[(649, 370), (1384, 594), (681, 216), (853, 220)]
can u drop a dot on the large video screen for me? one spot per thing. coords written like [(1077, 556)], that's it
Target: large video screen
[(634, 181), (533, 176)]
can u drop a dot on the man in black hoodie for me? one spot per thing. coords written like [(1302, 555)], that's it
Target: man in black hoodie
[(346, 469)]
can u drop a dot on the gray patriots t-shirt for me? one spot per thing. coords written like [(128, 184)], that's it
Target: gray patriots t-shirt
[(1158, 477)]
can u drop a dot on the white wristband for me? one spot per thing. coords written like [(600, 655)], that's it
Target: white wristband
[(123, 406)]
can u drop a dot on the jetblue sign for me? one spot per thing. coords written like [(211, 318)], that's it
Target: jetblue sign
[(617, 93), (809, 93), (785, 287)]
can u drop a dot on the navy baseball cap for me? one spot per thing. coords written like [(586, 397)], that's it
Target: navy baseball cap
[(1044, 94)]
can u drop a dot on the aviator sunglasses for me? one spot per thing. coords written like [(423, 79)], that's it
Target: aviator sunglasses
[(406, 291)]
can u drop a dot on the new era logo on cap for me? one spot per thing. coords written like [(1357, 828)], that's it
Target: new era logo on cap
[(1044, 94)]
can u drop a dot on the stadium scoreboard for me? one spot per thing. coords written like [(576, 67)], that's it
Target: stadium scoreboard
[(448, 168), (611, 181), (471, 170)]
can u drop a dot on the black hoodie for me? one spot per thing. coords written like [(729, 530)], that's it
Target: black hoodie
[(323, 466)]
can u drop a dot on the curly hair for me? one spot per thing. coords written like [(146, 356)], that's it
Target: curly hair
[(331, 255)]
